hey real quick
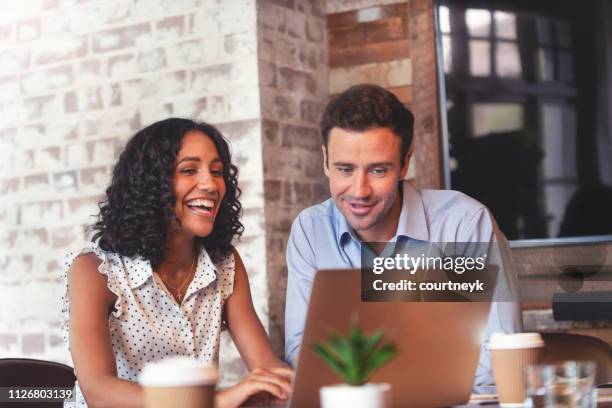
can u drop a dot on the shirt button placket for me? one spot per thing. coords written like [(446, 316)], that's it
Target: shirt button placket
[(187, 332)]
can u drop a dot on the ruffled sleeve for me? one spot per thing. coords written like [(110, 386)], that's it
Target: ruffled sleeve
[(107, 267), (226, 270)]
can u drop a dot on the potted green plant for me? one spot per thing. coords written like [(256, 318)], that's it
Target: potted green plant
[(355, 357)]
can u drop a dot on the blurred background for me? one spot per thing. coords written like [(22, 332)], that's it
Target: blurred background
[(529, 96)]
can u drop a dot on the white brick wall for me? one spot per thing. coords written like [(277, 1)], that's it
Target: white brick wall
[(77, 78)]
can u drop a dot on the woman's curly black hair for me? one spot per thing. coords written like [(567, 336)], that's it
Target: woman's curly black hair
[(138, 211)]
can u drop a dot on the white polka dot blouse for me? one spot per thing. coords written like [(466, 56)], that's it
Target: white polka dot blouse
[(147, 324)]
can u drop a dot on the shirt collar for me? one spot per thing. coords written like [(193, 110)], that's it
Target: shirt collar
[(138, 271), (344, 231), (412, 221), (206, 272)]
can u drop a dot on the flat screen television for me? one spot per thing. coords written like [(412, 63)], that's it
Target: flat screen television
[(526, 94)]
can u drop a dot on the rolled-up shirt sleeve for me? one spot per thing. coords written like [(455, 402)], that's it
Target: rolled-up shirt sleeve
[(300, 272)]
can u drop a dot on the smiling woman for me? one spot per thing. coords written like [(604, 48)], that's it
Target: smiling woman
[(198, 184), (161, 273), (136, 216)]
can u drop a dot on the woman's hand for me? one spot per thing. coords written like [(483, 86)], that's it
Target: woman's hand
[(275, 382)]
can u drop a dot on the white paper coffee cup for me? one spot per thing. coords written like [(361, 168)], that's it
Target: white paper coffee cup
[(179, 381), (511, 354)]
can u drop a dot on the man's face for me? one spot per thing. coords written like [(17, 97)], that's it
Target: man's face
[(364, 169)]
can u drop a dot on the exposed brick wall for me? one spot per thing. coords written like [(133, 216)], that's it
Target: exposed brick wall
[(371, 45), (294, 89), (392, 44), (338, 6), (427, 140), (77, 78)]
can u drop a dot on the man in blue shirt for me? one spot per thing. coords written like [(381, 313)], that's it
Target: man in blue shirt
[(367, 138)]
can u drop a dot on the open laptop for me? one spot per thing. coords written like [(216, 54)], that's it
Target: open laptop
[(438, 343)]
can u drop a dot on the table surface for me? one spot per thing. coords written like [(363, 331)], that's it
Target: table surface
[(604, 399)]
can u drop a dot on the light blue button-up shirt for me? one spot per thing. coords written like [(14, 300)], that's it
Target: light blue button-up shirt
[(321, 238)]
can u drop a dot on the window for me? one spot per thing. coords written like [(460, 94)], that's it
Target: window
[(493, 43), (445, 28), (555, 61), (490, 118), (512, 124)]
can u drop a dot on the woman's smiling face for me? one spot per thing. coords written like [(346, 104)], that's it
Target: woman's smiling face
[(199, 185)]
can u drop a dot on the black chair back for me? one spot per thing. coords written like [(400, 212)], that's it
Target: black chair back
[(25, 372)]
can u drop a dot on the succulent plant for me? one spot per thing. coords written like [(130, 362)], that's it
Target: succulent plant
[(355, 357)]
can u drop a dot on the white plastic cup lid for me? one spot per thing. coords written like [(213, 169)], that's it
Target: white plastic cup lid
[(178, 371), (515, 341)]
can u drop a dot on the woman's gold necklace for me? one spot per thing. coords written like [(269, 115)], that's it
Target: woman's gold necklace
[(178, 292)]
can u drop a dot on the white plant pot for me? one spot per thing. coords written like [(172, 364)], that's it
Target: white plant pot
[(364, 396)]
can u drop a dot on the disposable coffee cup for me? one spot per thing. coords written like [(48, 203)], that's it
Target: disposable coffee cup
[(511, 355), (179, 382)]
